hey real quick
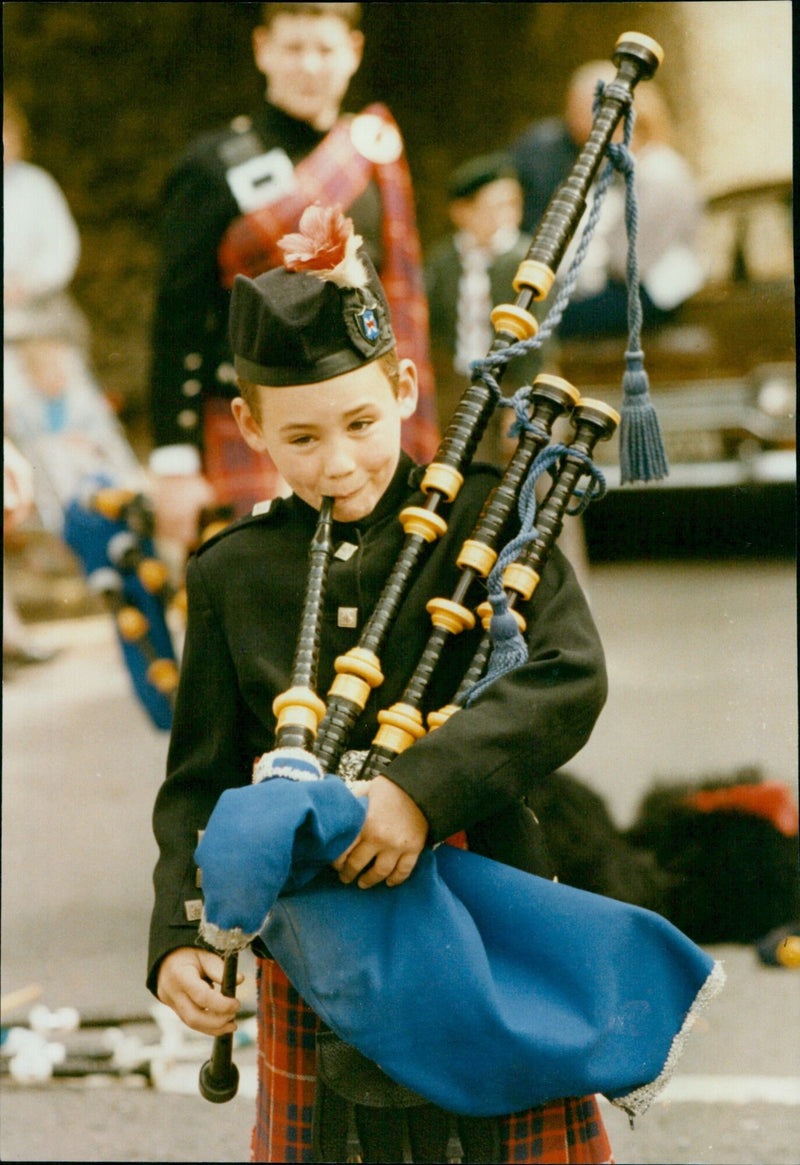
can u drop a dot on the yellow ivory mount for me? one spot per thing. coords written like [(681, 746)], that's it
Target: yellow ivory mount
[(109, 502), (357, 672), (299, 707), (400, 726), (153, 575), (441, 716), (450, 616), (132, 624), (163, 675), (523, 579), (507, 317), (600, 406), (559, 382), (181, 602), (477, 556), (645, 41), (442, 478), (212, 529), (416, 520), (535, 276)]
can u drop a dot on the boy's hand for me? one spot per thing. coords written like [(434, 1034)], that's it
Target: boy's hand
[(184, 984), (392, 838)]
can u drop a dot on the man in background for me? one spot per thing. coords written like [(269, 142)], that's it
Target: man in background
[(227, 202)]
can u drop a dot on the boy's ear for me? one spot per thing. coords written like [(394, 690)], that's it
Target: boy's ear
[(248, 425), (408, 390)]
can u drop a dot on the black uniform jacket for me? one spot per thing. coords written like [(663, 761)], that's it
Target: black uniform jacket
[(246, 592), (191, 356)]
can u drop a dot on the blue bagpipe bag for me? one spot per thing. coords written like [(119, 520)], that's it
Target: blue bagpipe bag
[(484, 989)]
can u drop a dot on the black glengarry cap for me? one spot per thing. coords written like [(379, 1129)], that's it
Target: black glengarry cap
[(321, 314), (472, 176)]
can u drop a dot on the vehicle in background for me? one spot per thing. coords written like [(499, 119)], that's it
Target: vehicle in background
[(723, 379)]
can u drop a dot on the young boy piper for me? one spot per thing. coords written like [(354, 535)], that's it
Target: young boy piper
[(324, 392)]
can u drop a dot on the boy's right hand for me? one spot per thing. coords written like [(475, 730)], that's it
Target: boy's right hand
[(185, 981)]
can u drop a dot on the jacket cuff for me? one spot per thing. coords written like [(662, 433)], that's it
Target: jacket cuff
[(175, 460)]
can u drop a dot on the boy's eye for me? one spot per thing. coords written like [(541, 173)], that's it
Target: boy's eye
[(305, 439), (361, 423)]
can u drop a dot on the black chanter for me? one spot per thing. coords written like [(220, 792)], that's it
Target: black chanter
[(298, 711), (306, 723)]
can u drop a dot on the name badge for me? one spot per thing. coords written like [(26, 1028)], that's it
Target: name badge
[(261, 180)]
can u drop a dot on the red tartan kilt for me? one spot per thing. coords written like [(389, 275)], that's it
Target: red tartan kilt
[(565, 1131)]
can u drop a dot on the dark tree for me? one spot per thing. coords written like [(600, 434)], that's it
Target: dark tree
[(115, 91)]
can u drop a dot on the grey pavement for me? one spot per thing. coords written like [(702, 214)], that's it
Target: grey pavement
[(702, 664)]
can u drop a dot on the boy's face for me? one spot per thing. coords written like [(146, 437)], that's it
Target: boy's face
[(496, 206), (308, 62), (339, 438)]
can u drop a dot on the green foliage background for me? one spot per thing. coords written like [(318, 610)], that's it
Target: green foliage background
[(114, 92)]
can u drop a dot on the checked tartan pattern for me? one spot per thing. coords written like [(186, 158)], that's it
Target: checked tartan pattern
[(564, 1132)]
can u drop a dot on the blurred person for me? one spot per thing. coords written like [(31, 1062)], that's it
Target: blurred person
[(670, 209), (226, 203), (18, 503), (54, 409), (544, 153), (467, 273), (61, 425)]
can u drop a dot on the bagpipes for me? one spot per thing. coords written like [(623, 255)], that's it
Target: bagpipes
[(110, 529), (566, 992)]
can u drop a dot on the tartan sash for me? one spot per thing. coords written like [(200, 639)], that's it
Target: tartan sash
[(333, 173), (337, 173)]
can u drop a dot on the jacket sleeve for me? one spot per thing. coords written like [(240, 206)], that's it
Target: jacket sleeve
[(190, 305), (523, 726), (204, 759)]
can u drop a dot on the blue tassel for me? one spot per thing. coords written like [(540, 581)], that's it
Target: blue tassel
[(642, 456), (509, 649)]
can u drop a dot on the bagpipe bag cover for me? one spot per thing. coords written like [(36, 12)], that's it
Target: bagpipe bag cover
[(484, 989)]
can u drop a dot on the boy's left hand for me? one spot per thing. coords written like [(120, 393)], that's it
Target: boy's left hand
[(391, 839)]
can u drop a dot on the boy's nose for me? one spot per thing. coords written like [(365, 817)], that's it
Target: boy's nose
[(338, 462)]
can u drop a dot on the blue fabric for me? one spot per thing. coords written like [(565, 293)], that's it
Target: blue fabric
[(485, 989), (88, 533), (271, 838)]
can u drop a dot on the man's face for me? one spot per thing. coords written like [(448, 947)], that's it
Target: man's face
[(308, 62), (339, 438), (496, 206), (12, 141)]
